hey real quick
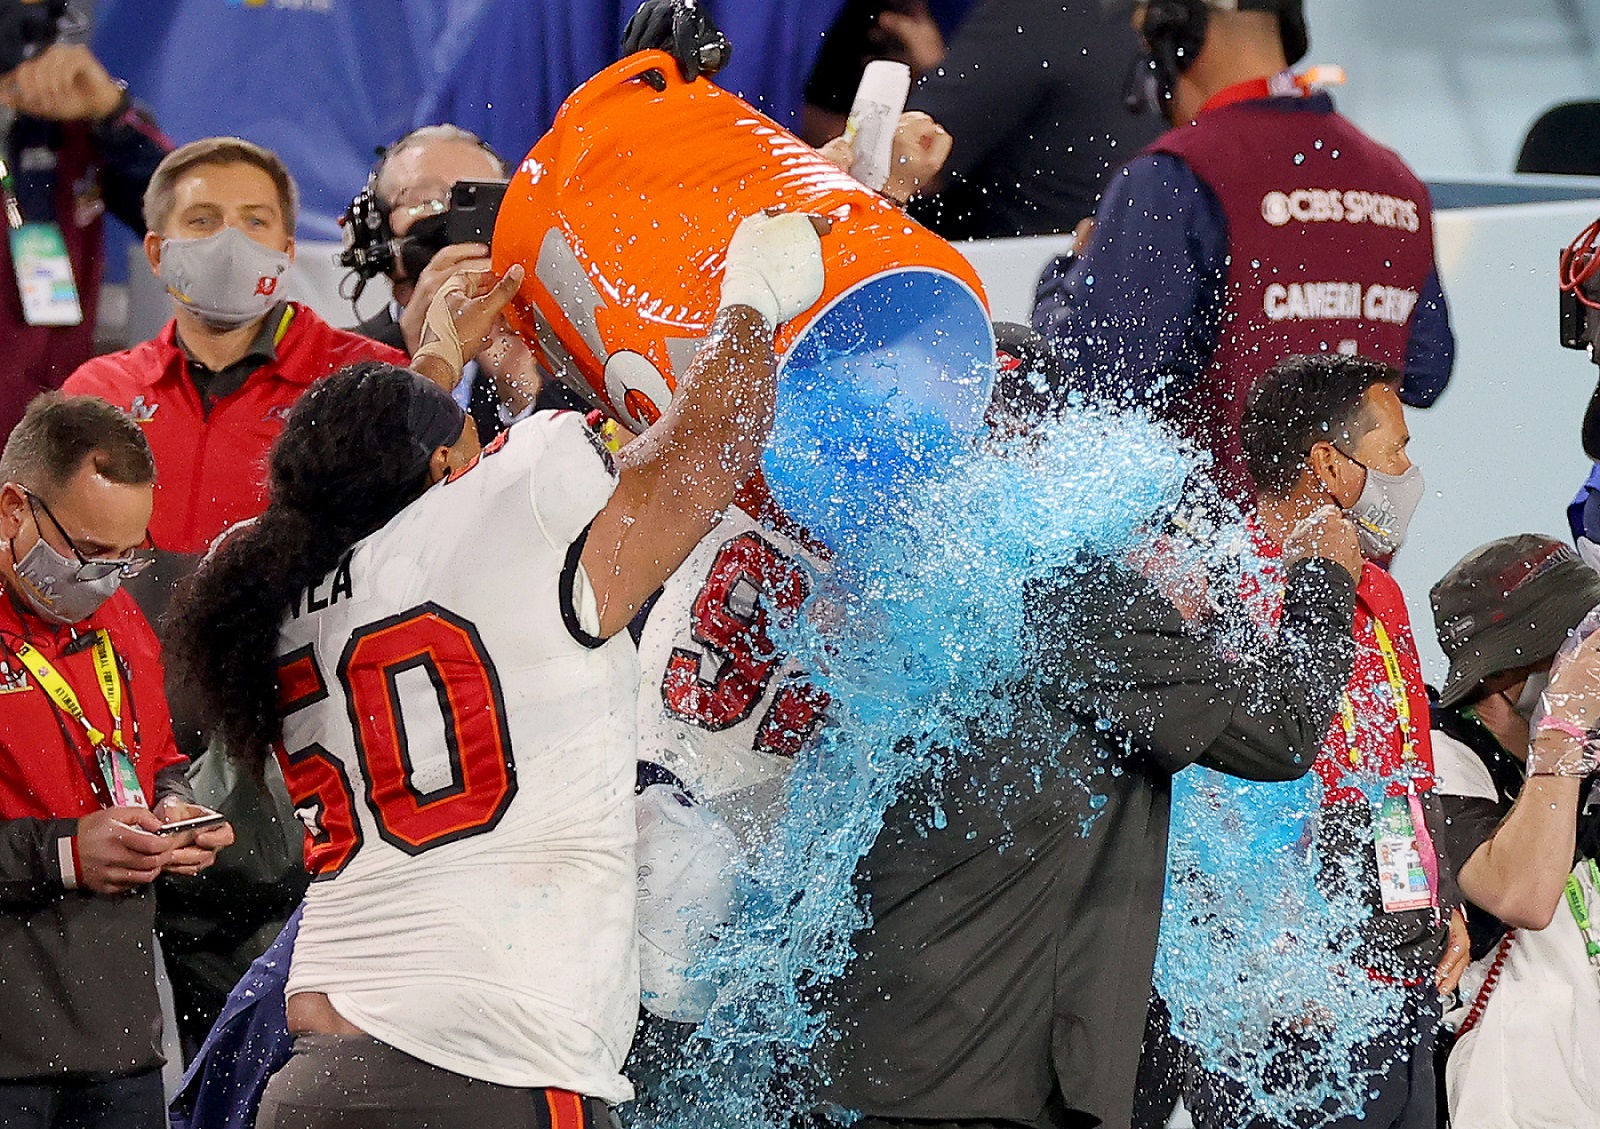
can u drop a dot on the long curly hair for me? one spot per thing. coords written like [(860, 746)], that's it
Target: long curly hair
[(345, 464)]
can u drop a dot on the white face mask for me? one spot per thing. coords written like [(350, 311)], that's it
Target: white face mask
[(1383, 511), (228, 279)]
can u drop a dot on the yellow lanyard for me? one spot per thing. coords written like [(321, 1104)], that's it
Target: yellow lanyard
[(106, 673), (1397, 689)]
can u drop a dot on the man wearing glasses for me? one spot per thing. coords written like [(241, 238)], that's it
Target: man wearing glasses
[(397, 226), (93, 801)]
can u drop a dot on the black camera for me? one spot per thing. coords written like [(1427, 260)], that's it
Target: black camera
[(371, 248), (1580, 292), (26, 29), (474, 206)]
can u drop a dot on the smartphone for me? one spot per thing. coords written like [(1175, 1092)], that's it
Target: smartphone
[(474, 206), (194, 823)]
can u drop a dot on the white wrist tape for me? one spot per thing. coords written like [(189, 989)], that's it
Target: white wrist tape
[(774, 266), (439, 336), (743, 286)]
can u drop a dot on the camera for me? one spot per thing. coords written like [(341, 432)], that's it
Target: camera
[(26, 29), (1580, 292), (474, 205), (371, 248)]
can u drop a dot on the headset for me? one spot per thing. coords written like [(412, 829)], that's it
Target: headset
[(1175, 31), (371, 247)]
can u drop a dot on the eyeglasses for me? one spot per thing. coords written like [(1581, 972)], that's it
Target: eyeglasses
[(418, 211), (98, 569)]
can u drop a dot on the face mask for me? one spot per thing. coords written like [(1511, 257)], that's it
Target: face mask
[(419, 245), (50, 584), (228, 279), (1530, 703), (1383, 511)]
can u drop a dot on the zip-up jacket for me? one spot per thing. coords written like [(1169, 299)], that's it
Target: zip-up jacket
[(77, 969), (211, 461)]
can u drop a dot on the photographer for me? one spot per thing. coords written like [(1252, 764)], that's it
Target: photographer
[(1580, 326), (1514, 785), (75, 146), (400, 226)]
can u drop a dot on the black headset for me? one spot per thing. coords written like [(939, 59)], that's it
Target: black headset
[(1175, 31), (368, 241), (370, 245)]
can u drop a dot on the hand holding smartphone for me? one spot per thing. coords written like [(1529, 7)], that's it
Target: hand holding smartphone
[(193, 823)]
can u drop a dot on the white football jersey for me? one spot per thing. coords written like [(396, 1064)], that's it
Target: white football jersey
[(719, 705), (462, 750)]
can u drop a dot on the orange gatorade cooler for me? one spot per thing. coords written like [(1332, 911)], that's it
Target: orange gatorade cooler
[(621, 215)]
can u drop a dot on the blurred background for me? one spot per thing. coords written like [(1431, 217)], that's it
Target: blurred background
[(1453, 85)]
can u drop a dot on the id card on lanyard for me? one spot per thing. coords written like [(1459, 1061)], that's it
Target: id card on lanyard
[(40, 262), (1408, 867), (115, 765)]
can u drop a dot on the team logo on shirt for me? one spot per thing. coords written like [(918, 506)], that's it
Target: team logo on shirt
[(142, 410), (277, 415), (13, 681)]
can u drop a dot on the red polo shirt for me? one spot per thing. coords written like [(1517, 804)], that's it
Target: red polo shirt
[(211, 461), (45, 757)]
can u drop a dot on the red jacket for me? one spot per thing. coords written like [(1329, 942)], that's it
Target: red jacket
[(76, 983), (211, 468), (41, 775), (1378, 598)]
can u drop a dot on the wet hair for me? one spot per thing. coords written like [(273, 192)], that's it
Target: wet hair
[(160, 196), (58, 432), (350, 458), (1301, 401)]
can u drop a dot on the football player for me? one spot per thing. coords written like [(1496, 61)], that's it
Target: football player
[(431, 637)]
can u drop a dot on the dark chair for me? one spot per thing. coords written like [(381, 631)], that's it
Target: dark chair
[(1565, 139)]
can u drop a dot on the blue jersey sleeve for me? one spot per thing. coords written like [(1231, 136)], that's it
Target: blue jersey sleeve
[(1138, 313), (1431, 353)]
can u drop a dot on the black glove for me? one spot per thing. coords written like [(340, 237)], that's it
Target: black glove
[(683, 29)]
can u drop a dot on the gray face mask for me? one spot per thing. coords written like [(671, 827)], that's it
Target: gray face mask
[(1530, 703), (50, 584), (228, 279), (1383, 512)]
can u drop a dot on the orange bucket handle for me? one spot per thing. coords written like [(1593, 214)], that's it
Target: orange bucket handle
[(628, 70)]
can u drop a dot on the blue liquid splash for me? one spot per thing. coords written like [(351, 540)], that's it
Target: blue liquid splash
[(935, 538), (919, 620), (1260, 958)]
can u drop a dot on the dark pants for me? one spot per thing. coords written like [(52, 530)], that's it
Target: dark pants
[(135, 1102), (894, 1123), (1403, 1091), (356, 1082)]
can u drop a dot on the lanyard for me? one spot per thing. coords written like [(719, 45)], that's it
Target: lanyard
[(1578, 903), (1284, 84), (106, 674), (1397, 690), (1408, 750)]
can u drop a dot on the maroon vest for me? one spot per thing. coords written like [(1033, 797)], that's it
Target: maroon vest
[(1330, 240)]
